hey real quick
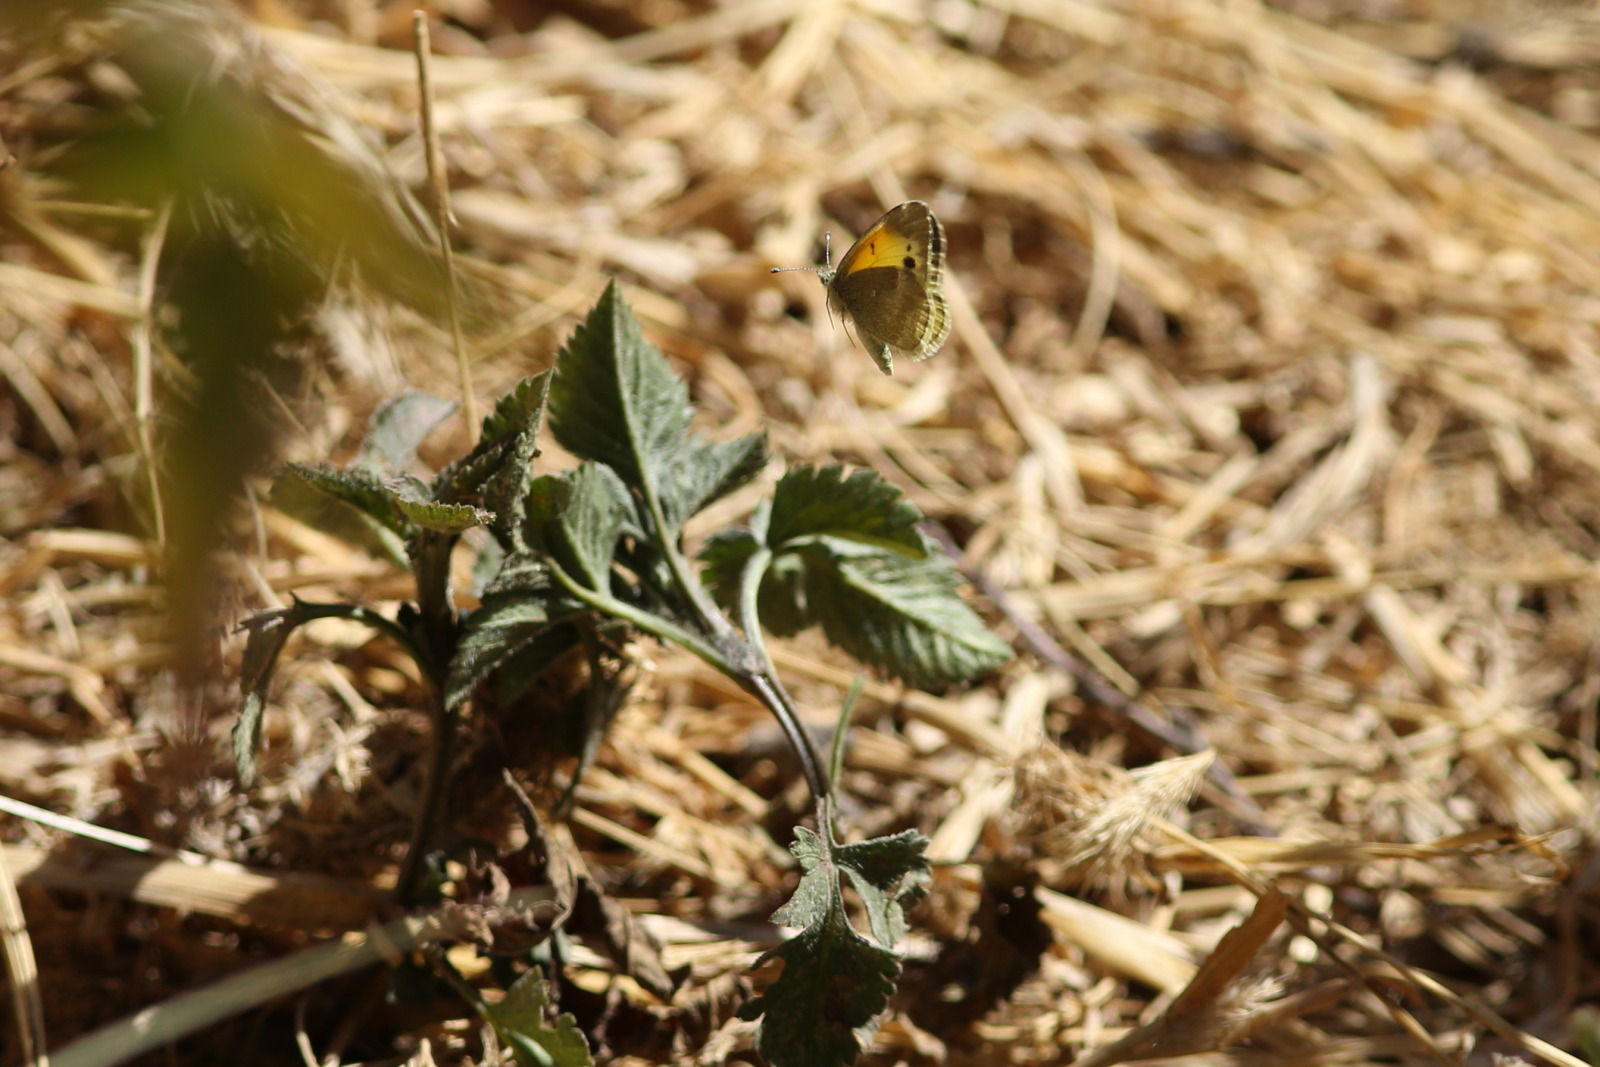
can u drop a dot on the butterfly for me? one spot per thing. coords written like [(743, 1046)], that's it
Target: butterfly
[(890, 285)]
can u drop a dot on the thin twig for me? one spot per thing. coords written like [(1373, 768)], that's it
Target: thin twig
[(440, 189), (144, 364)]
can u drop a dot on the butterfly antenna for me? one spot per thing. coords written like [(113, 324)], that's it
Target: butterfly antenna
[(827, 258)]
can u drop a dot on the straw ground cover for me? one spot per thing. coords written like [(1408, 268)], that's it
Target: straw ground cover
[(1267, 434)]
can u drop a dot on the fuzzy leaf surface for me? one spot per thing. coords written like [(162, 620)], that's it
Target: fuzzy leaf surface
[(615, 400), (362, 490), (415, 501), (705, 470), (856, 505), (890, 875), (577, 516), (897, 614), (507, 619), (823, 1006), (513, 428)]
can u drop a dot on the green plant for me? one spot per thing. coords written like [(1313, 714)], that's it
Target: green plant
[(587, 555)]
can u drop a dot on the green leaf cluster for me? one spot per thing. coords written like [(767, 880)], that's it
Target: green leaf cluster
[(577, 561), (842, 551)]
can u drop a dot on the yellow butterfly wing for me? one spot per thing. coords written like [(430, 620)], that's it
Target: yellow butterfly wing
[(890, 285)]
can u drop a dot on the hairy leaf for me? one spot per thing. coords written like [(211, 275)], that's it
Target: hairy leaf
[(615, 400), (414, 500), (515, 612), (857, 506), (821, 1009), (514, 424), (890, 875), (362, 490), (898, 614), (705, 470), (577, 517), (819, 1012), (521, 1020)]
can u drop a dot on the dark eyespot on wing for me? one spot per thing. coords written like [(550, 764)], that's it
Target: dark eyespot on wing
[(910, 262)]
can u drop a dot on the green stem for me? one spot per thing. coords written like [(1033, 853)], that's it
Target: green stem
[(654, 625), (442, 723), (779, 701), (755, 676), (688, 587)]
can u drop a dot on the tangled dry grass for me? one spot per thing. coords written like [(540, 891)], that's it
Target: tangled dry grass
[(1269, 429)]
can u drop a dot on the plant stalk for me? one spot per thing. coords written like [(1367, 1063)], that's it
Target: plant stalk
[(754, 672)]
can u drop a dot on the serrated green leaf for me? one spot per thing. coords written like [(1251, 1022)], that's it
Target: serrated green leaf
[(890, 874), (894, 613), (517, 418), (520, 411), (821, 1009), (414, 501), (577, 516), (302, 501), (857, 506), (516, 612), (615, 400), (493, 633), (398, 427), (521, 1020), (500, 466), (704, 470), (361, 489), (819, 884)]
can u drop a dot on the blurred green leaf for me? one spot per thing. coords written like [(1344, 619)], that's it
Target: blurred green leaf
[(523, 1023), (398, 428)]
